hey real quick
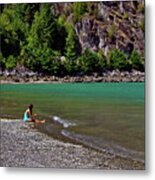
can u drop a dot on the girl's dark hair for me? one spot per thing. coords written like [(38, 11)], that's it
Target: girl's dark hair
[(31, 107)]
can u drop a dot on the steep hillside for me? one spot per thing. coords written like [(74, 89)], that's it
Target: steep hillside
[(107, 25), (73, 38)]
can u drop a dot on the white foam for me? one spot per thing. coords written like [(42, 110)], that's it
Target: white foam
[(64, 122)]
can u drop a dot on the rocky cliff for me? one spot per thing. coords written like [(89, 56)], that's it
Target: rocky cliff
[(108, 25)]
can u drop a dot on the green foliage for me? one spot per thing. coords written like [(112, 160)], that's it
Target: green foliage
[(61, 20), (41, 33), (11, 62), (41, 43), (79, 9), (72, 44), (90, 62), (25, 12), (10, 32), (70, 67), (117, 60), (137, 61)]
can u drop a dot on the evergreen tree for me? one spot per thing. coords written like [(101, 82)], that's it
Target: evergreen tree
[(72, 44), (41, 39)]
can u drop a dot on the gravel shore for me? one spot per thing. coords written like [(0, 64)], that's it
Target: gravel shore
[(17, 77), (22, 146)]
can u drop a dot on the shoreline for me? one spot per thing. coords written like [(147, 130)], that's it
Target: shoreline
[(50, 152), (109, 76)]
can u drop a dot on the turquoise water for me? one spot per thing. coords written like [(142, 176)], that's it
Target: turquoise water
[(102, 115)]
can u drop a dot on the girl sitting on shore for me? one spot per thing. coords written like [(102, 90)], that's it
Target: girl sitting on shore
[(29, 117)]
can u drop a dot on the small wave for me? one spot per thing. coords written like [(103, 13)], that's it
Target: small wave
[(64, 122), (105, 146)]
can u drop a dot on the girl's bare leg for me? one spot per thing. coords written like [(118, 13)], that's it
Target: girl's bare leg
[(39, 121)]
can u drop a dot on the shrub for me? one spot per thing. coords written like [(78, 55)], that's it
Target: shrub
[(11, 62), (137, 61), (117, 59), (90, 62)]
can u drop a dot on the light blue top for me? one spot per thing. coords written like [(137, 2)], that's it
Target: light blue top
[(26, 117)]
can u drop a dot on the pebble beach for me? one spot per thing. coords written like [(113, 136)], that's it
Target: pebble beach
[(23, 146)]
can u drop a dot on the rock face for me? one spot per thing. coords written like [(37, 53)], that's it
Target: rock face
[(116, 25), (108, 25)]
